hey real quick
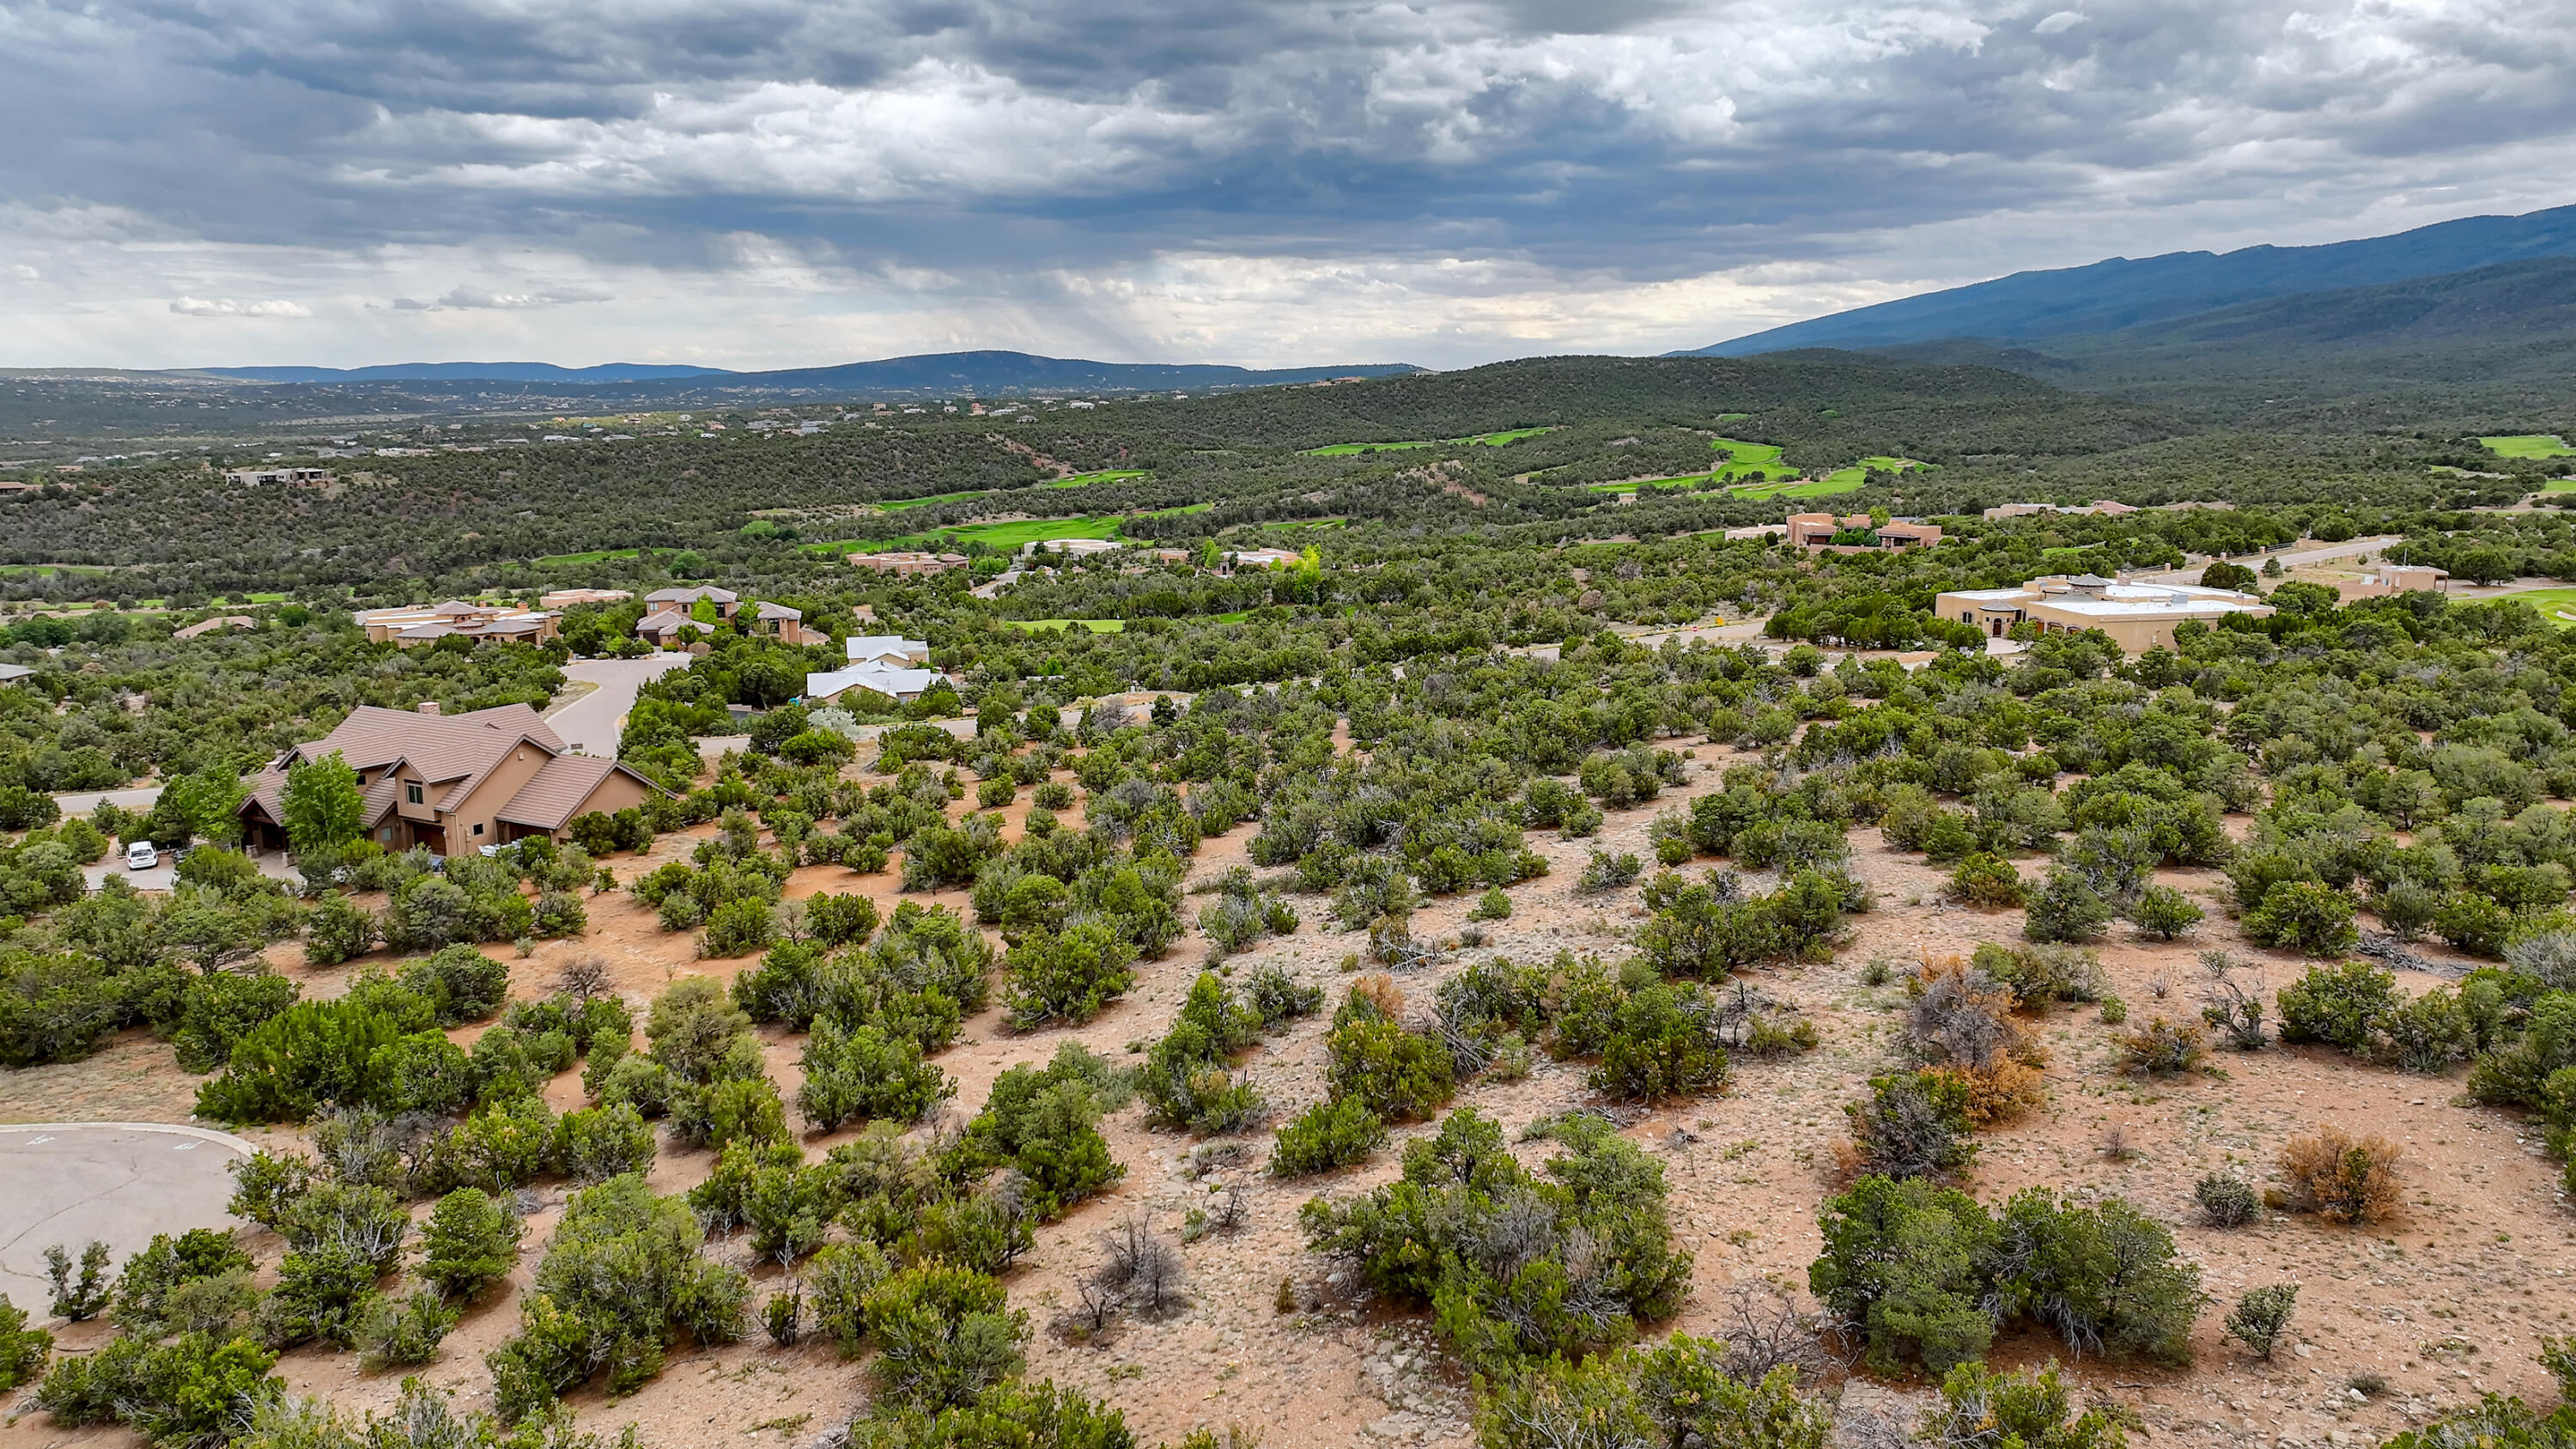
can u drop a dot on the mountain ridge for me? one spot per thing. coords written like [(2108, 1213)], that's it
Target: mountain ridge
[(2119, 293)]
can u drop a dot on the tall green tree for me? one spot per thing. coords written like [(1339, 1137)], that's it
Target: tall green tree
[(322, 803)]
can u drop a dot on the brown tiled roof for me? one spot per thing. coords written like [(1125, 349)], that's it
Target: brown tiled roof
[(439, 747), (691, 596), (768, 610), (558, 790)]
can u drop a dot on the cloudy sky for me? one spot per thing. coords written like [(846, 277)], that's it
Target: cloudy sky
[(756, 183)]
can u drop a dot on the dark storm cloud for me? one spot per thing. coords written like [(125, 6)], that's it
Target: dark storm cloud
[(1640, 139)]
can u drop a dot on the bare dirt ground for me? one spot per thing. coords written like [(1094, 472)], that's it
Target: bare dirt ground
[(2443, 1303)]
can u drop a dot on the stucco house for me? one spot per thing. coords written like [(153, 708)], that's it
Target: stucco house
[(684, 600), (408, 628), (2137, 617), (454, 783)]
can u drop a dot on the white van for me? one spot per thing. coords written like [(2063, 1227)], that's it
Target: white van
[(139, 855)]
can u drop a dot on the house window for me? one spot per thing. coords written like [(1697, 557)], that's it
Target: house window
[(412, 793), (478, 829)]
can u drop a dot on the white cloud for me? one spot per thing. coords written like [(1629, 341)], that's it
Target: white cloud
[(228, 307), (468, 298), (2059, 23), (24, 273)]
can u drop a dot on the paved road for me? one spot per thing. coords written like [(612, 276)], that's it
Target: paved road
[(592, 723), (2290, 559), (116, 1182), (139, 799)]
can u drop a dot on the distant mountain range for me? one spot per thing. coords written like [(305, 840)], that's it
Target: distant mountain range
[(2112, 295), (461, 371), (945, 374)]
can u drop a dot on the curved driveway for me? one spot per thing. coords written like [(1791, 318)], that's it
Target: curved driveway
[(591, 723), (116, 1182)]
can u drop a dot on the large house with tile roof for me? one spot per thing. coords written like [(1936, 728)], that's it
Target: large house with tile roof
[(453, 783)]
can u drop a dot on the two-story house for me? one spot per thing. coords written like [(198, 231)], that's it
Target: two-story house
[(454, 783)]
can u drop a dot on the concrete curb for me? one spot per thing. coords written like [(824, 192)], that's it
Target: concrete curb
[(221, 1139)]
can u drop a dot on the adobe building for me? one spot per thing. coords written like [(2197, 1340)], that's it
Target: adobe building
[(2137, 617)]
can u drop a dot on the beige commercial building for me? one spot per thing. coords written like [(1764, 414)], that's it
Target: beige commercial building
[(2393, 579), (2138, 617), (482, 623)]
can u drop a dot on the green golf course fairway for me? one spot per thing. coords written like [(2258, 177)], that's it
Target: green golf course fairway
[(2529, 445)]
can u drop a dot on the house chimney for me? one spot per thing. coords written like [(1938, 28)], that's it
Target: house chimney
[(427, 706)]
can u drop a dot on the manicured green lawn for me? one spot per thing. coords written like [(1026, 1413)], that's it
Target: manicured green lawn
[(84, 570), (2529, 445), (2558, 606), (2559, 485), (1490, 440), (1084, 480), (1759, 462)]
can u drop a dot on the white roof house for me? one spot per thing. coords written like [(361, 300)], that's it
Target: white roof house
[(889, 648), (896, 684), (2138, 616)]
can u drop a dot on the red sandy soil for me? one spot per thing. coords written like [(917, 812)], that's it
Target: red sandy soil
[(2446, 1301)]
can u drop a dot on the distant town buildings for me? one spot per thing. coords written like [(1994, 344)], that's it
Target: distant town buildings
[(482, 623), (909, 562), (2393, 579), (2137, 617), (258, 477), (1818, 531)]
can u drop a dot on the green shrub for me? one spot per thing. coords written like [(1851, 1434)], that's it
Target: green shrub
[(2020, 1408), (1914, 1125), (220, 1009), (1332, 1133), (193, 1391), (23, 1350), (404, 1332), (621, 1281), (1068, 977), (864, 1073), (1418, 1241), (2164, 912), (2304, 915), (2227, 1200), (420, 1072), (2064, 908), (1185, 1081), (1396, 1075), (460, 984), (1043, 1123), (338, 929), (1278, 997), (158, 1274), (1986, 880), (2474, 923), (696, 1030), (312, 1054), (2161, 1047), (597, 1143), (840, 920), (740, 1109), (2261, 1316), (1901, 1263), (943, 1335), (1014, 1415), (468, 1242), (1663, 1044), (841, 1277), (740, 927), (502, 1145), (2338, 1005)]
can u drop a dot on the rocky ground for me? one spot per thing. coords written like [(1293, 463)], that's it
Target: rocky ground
[(2424, 1313)]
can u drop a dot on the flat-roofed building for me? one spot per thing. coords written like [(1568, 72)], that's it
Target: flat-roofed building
[(2137, 617), (483, 623)]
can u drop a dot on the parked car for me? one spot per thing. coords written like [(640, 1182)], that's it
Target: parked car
[(139, 855)]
